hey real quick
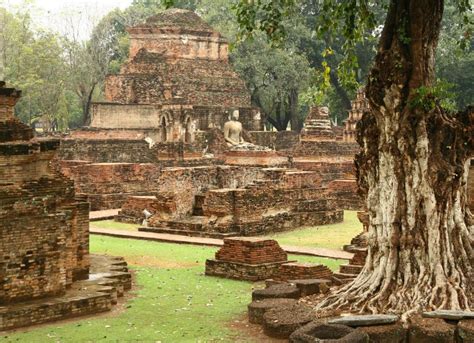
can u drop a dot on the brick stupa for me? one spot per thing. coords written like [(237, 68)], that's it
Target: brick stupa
[(359, 106), (177, 80), (317, 126), (44, 234), (44, 230)]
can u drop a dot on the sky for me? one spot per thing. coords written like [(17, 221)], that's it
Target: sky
[(58, 15)]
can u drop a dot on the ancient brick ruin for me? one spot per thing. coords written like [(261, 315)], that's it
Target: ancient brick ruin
[(176, 85), (44, 231), (254, 259), (140, 152), (234, 200), (44, 234), (124, 161), (359, 106)]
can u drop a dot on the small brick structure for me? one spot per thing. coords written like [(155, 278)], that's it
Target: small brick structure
[(44, 237), (251, 250), (46, 271), (259, 258)]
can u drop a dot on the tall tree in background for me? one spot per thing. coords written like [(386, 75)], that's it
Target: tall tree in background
[(33, 61), (413, 166)]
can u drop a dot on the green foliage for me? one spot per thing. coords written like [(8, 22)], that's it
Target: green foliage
[(455, 61), (34, 62), (428, 98), (352, 20), (273, 76)]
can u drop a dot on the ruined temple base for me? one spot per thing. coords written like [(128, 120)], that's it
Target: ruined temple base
[(198, 226), (242, 271), (256, 158), (108, 279)]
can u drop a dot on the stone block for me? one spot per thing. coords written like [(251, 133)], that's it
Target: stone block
[(256, 309)]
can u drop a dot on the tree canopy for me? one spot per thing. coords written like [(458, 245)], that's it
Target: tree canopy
[(311, 58)]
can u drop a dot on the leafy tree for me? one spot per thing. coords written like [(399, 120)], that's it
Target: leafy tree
[(33, 62), (414, 161), (275, 78)]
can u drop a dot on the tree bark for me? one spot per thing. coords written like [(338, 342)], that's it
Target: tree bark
[(296, 123), (413, 169), (86, 106)]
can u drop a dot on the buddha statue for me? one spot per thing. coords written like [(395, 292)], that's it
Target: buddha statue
[(233, 130), (233, 135)]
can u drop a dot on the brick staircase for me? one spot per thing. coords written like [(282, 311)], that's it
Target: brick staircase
[(348, 272)]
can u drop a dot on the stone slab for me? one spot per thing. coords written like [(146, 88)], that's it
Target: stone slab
[(449, 314), (365, 320)]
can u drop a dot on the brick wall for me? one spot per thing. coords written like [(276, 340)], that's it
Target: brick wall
[(345, 194), (326, 149), (251, 250), (107, 185), (179, 186), (44, 238), (279, 140)]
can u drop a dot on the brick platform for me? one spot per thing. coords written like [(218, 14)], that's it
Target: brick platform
[(257, 259), (298, 270), (235, 200), (251, 250), (244, 258), (108, 279)]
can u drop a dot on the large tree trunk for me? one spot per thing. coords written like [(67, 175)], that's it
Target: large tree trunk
[(296, 122), (413, 169)]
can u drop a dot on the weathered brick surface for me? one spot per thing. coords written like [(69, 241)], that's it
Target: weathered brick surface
[(249, 201), (108, 184), (298, 270), (246, 258), (174, 85), (279, 140), (339, 151), (132, 209), (345, 194), (256, 158), (85, 297), (251, 250), (179, 186), (43, 227), (241, 271)]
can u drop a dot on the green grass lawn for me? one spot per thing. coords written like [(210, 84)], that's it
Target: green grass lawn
[(173, 302), (325, 236), (111, 224), (332, 236)]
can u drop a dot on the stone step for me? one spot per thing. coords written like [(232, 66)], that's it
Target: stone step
[(193, 223), (277, 291), (189, 233), (350, 269)]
